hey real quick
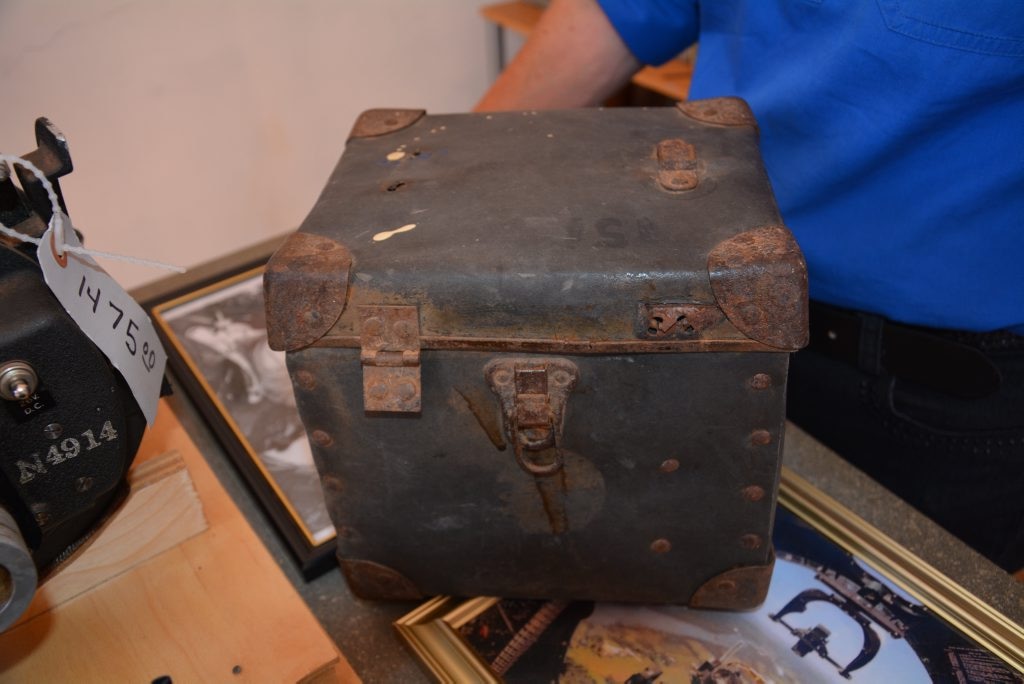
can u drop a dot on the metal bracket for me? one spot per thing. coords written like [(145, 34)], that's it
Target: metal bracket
[(533, 395), (390, 354), (30, 213), (677, 165), (658, 321)]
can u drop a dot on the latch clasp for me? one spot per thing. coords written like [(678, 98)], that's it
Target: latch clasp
[(390, 354), (677, 165), (533, 395)]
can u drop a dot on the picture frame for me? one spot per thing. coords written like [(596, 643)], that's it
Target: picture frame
[(216, 341), (836, 578)]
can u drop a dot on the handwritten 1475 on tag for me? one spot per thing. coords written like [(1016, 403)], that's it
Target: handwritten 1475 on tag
[(146, 354)]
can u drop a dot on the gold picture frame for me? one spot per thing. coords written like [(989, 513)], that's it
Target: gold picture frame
[(432, 630)]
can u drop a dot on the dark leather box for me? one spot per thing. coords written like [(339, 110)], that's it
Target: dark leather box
[(544, 354)]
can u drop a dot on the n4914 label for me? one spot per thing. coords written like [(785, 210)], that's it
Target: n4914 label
[(64, 450)]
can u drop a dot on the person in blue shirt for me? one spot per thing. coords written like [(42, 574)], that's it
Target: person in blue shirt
[(893, 135)]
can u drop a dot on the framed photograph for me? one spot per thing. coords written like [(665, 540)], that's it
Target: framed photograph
[(216, 340), (846, 604)]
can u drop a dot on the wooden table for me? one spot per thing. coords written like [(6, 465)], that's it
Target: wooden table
[(177, 584)]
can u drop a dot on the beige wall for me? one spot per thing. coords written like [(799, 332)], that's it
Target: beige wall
[(199, 126)]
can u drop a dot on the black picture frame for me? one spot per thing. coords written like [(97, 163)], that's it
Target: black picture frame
[(214, 331)]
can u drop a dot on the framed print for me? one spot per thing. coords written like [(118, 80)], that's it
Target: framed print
[(846, 604), (217, 344)]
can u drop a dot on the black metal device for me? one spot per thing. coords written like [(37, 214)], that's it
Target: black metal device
[(70, 425)]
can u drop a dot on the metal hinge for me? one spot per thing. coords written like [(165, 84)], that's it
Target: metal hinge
[(390, 354)]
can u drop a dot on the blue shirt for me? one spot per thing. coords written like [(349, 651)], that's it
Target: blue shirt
[(893, 134)]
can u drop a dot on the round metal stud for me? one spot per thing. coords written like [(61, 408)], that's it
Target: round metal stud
[(305, 380), (661, 546), (373, 326), (321, 438), (751, 541), (406, 391), (726, 585), (753, 493)]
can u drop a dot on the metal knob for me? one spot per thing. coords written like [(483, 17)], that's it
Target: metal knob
[(18, 381)]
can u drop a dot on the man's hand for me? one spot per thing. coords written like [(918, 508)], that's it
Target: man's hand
[(573, 58)]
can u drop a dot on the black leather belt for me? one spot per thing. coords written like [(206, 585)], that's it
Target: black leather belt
[(924, 356)]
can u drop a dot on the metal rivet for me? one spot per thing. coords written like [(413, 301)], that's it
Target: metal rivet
[(41, 513), (726, 585), (661, 546), (761, 381), (669, 465), (406, 391), (332, 483), (378, 391), (753, 493), (404, 331), (760, 437), (750, 541), (372, 326), (560, 377), (502, 377), (53, 430), (321, 438), (305, 380)]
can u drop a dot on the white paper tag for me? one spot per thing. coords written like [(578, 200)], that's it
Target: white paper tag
[(108, 316)]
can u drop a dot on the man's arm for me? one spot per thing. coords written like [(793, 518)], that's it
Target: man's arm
[(573, 58)]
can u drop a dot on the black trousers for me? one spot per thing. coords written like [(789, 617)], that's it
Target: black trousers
[(935, 416)]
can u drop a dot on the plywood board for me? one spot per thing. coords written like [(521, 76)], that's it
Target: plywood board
[(162, 511), (214, 607)]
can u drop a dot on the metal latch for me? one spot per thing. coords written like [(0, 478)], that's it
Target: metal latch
[(533, 396), (665, 321), (390, 354), (677, 165)]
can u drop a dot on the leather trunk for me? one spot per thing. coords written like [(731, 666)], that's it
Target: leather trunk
[(544, 354)]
